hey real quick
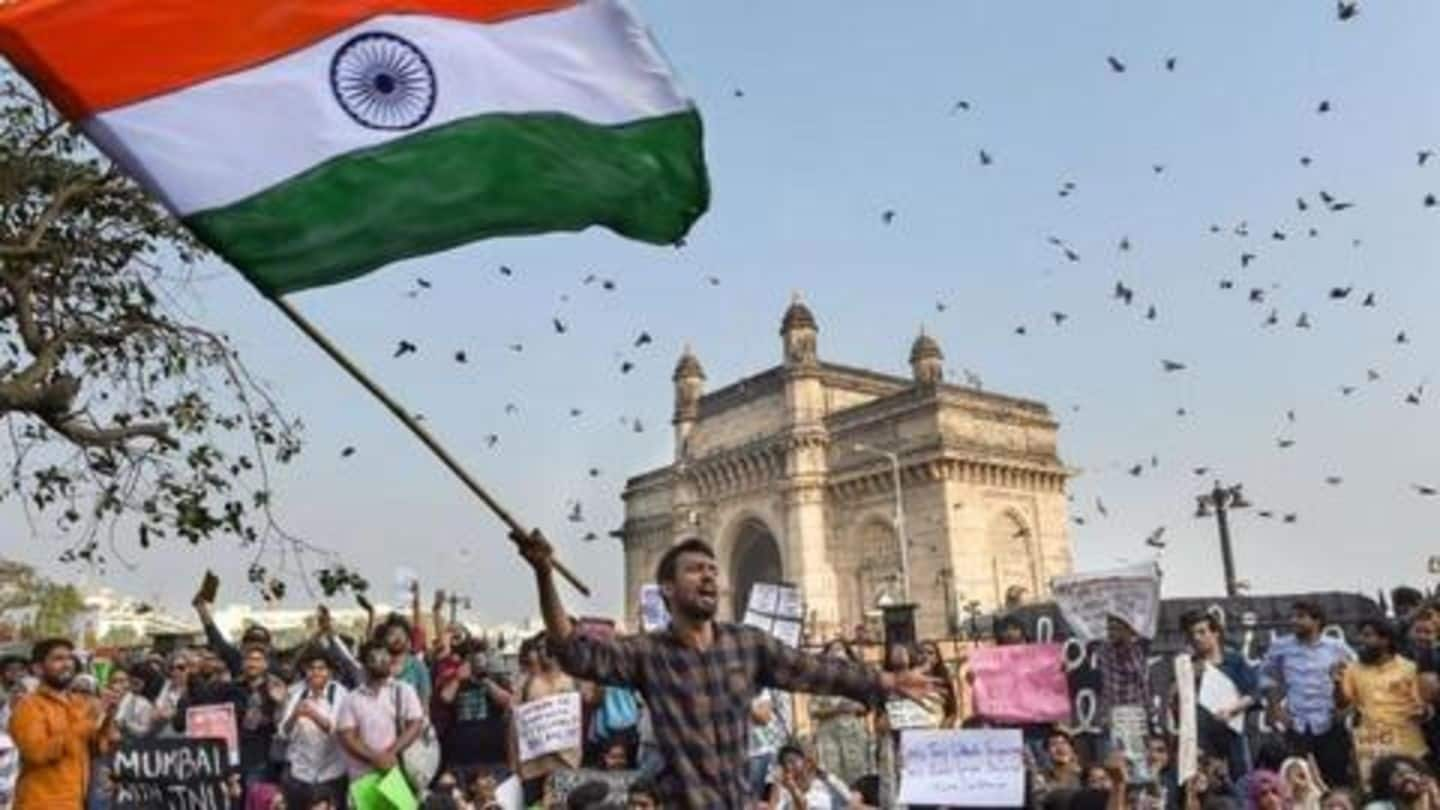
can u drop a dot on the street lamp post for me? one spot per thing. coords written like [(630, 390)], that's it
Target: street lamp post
[(1221, 500), (899, 516)]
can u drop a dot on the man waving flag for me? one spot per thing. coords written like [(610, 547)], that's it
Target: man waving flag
[(310, 142)]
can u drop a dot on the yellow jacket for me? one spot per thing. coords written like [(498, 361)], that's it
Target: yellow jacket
[(53, 731)]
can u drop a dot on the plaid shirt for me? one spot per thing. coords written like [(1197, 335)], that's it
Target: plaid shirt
[(700, 699), (1124, 678)]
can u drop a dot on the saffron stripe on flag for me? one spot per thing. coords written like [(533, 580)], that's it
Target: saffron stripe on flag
[(92, 55), (493, 175), (216, 143)]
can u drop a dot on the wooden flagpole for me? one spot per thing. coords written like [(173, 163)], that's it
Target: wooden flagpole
[(416, 428)]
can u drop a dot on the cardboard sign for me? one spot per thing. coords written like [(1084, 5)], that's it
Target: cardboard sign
[(964, 768), (907, 714), (1130, 594), (778, 610), (1023, 683), (215, 723), (548, 725), (564, 781), (1187, 754), (653, 614), (170, 774)]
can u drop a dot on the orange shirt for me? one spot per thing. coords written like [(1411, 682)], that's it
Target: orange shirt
[(53, 732)]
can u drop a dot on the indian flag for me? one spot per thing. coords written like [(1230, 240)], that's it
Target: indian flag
[(312, 141)]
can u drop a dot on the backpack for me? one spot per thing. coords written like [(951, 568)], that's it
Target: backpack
[(618, 711)]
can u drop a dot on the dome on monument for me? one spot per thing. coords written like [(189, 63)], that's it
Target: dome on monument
[(688, 365), (925, 348), (798, 316)]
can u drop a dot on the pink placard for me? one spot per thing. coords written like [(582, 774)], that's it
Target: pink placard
[(216, 722), (1022, 683)]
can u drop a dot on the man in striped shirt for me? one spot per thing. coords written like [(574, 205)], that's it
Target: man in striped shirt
[(698, 676)]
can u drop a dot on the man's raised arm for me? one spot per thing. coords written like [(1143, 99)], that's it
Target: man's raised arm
[(614, 662)]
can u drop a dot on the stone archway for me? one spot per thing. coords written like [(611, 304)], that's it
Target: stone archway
[(1013, 560), (754, 557)]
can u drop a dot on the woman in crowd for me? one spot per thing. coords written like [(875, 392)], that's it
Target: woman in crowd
[(1305, 785), (842, 739)]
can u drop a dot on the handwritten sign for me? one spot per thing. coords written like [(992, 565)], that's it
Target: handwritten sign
[(1131, 594), (170, 774), (548, 726), (778, 610), (967, 768), (215, 723), (563, 782), (1023, 683), (653, 614), (907, 714)]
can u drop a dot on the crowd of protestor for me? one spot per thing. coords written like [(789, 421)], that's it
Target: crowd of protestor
[(1344, 727)]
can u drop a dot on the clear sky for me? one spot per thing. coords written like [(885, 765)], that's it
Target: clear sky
[(848, 110)]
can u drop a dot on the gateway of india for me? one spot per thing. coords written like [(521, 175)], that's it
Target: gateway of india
[(791, 474)]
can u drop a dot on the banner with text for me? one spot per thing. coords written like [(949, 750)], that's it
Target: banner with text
[(1022, 683), (963, 768), (548, 725), (1131, 594), (170, 774)]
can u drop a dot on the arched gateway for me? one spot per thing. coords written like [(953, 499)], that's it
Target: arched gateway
[(791, 475)]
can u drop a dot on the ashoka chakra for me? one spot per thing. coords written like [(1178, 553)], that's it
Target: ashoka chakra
[(383, 81)]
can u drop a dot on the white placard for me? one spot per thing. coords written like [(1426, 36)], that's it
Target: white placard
[(1187, 753), (548, 725), (1131, 594), (788, 603), (907, 714), (1218, 695), (763, 598), (653, 614), (778, 610), (759, 622), (787, 631), (964, 768)]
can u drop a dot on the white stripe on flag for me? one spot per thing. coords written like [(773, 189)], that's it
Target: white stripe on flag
[(215, 143)]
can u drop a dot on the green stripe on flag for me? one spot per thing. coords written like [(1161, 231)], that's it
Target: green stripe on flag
[(492, 175)]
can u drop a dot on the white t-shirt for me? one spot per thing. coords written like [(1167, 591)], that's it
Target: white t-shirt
[(314, 754), (821, 795), (371, 710)]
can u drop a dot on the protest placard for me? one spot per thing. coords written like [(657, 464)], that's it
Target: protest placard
[(778, 609), (1187, 751), (1131, 594), (215, 722), (548, 725), (1022, 683), (905, 714), (653, 614), (963, 768), (562, 782), (170, 774)]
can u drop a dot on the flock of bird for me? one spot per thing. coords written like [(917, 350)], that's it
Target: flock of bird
[(1265, 299)]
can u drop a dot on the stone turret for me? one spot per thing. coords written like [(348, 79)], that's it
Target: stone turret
[(799, 331), (927, 362), (689, 381)]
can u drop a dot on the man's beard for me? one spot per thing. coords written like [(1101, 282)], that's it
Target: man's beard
[(59, 682), (1370, 655), (696, 612)]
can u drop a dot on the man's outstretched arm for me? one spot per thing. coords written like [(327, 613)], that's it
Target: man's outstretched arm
[(615, 663), (786, 668)]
